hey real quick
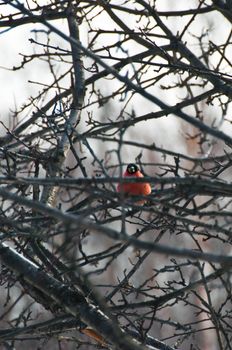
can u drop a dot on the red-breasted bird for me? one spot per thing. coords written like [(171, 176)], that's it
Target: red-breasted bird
[(134, 188)]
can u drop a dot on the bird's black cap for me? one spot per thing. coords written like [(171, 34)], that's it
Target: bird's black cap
[(132, 168)]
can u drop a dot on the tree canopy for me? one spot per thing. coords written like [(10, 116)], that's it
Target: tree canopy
[(89, 87)]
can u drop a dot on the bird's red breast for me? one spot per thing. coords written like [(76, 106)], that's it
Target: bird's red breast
[(134, 188)]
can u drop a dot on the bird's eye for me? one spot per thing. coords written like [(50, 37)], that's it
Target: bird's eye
[(132, 168)]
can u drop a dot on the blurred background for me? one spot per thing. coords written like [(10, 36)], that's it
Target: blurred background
[(180, 53)]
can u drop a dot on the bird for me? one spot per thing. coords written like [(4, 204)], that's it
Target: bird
[(134, 188)]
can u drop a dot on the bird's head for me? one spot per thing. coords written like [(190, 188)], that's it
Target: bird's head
[(132, 168)]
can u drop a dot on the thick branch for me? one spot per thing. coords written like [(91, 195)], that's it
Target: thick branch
[(49, 194), (72, 301)]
